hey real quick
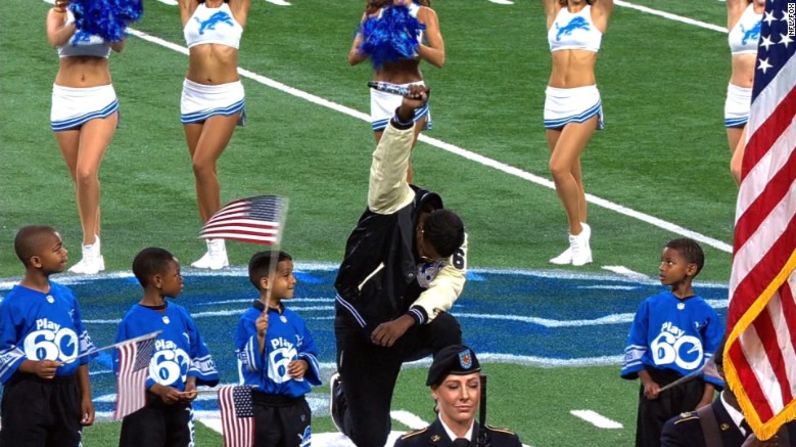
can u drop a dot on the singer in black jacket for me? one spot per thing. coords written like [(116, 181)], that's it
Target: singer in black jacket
[(404, 266)]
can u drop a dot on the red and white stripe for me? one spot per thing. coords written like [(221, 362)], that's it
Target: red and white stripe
[(238, 432), (234, 222), (130, 383), (762, 312)]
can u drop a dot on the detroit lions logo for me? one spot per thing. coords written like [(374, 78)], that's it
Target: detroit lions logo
[(215, 19), (751, 34), (82, 38), (569, 28)]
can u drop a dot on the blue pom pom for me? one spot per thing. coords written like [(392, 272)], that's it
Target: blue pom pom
[(391, 37), (105, 18)]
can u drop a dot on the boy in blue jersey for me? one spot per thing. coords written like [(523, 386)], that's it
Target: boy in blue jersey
[(46, 392), (673, 334), (276, 355), (180, 361)]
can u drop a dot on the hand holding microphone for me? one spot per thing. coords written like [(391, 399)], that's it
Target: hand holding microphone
[(387, 87), (415, 96)]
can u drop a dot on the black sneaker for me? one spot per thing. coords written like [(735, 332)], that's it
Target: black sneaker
[(337, 403)]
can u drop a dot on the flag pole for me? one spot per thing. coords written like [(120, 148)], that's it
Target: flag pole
[(131, 340), (686, 378), (275, 247)]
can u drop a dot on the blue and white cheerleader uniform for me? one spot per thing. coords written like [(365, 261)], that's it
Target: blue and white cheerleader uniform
[(573, 31), (202, 101)]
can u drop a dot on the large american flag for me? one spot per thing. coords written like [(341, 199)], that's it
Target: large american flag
[(255, 219), (134, 357), (237, 415), (760, 355)]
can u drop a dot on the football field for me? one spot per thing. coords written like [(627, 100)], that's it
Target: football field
[(551, 337)]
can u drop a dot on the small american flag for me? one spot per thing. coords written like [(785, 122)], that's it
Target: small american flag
[(237, 415), (760, 353), (256, 220), (134, 357)]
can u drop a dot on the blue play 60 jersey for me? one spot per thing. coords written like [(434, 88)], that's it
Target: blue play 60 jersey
[(180, 351), (39, 326), (670, 333), (286, 339)]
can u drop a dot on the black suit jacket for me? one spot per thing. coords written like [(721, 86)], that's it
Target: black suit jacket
[(435, 435)]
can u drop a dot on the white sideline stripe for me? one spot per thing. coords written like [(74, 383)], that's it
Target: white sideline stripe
[(549, 323), (528, 360), (545, 322), (278, 2), (249, 300), (304, 267), (624, 271), (606, 287), (670, 16), (309, 266), (502, 2), (409, 419), (218, 313), (456, 150), (595, 419)]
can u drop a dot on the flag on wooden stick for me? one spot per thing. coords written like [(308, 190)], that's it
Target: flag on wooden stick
[(237, 415), (134, 357), (257, 220)]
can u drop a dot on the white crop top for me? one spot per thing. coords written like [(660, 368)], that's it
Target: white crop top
[(574, 31), (744, 35), (413, 8), (82, 44), (212, 25)]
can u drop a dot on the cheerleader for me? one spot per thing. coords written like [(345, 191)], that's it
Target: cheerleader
[(744, 22), (573, 109), (212, 101), (83, 116), (404, 71)]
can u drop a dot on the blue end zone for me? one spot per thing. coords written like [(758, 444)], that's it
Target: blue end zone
[(542, 318)]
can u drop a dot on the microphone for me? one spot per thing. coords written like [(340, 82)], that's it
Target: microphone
[(388, 88)]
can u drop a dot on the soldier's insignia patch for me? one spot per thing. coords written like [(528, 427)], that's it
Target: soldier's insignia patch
[(465, 359)]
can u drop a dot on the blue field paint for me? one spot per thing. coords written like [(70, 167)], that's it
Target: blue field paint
[(549, 316)]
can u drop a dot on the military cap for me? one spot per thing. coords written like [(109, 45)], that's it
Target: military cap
[(454, 359)]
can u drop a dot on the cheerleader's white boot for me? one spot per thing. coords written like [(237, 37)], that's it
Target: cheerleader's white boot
[(92, 261), (216, 256), (579, 251)]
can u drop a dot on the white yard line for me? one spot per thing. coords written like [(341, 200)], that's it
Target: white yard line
[(624, 271), (456, 150), (409, 419), (596, 419), (670, 16)]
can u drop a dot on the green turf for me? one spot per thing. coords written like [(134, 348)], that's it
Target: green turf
[(664, 153), (105, 433), (534, 402)]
